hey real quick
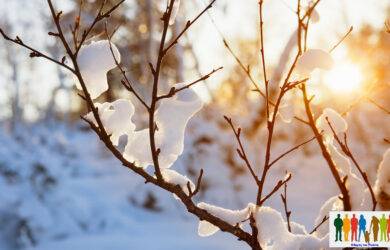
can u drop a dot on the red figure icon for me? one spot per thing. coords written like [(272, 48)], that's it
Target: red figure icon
[(354, 227), (388, 228)]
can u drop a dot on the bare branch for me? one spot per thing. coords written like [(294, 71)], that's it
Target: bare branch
[(35, 53), (130, 88), (189, 23), (322, 222), (342, 39), (276, 188), (379, 106), (173, 90), (345, 148), (291, 150), (241, 151)]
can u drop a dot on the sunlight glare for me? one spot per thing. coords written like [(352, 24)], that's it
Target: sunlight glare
[(344, 78)]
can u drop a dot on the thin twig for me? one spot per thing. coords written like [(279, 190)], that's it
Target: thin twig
[(189, 23), (342, 39), (173, 90), (322, 222), (35, 53), (345, 148), (379, 106), (129, 85), (287, 212), (291, 150), (276, 188), (241, 151), (263, 60)]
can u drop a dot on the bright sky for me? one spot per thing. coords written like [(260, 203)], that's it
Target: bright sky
[(234, 19)]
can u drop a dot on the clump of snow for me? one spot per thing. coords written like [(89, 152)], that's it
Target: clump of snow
[(338, 123), (174, 177), (382, 184), (94, 60), (175, 10), (273, 233), (312, 59), (232, 217), (116, 118), (342, 162), (170, 134)]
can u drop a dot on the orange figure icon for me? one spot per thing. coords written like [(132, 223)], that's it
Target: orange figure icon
[(346, 227), (354, 227)]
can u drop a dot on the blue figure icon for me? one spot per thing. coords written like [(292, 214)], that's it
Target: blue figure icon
[(362, 225)]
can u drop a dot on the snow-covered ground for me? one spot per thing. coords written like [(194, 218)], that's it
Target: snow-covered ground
[(61, 189)]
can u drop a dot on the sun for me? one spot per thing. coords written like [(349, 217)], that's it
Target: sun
[(344, 78)]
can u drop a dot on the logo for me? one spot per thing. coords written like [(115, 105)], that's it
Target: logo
[(359, 229)]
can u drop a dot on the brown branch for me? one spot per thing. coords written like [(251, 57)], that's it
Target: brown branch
[(263, 60), (322, 222), (100, 16), (345, 148), (342, 39), (246, 69), (241, 151), (35, 53), (173, 90), (379, 106), (197, 188), (291, 150), (276, 188), (287, 212), (325, 153), (188, 24), (129, 85)]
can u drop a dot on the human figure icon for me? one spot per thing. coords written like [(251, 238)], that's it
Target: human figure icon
[(367, 237), (346, 227), (354, 227), (383, 224), (388, 228), (375, 227), (362, 225), (338, 223)]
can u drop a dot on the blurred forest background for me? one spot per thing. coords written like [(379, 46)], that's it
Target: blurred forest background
[(60, 188)]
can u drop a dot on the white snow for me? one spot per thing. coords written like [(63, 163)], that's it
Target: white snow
[(116, 118), (95, 60), (313, 59), (232, 217), (273, 233), (338, 123), (175, 10), (174, 177), (171, 118)]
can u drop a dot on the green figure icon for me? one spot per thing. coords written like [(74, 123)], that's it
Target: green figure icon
[(338, 223), (346, 227), (383, 224), (375, 227)]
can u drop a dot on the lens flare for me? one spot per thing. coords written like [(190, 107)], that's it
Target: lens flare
[(344, 78)]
